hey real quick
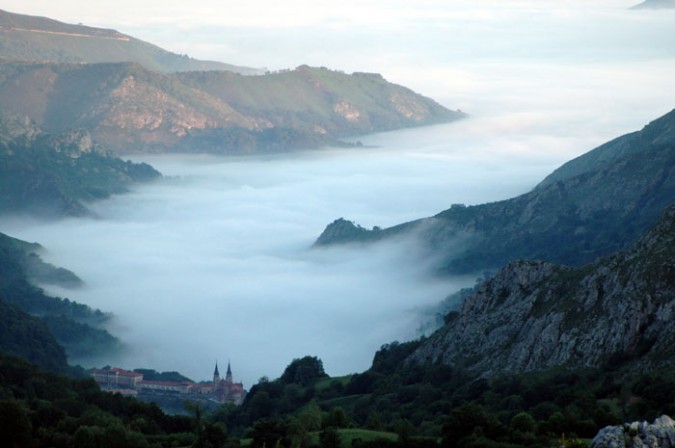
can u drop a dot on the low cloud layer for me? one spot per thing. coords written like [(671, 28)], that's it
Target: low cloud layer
[(213, 262)]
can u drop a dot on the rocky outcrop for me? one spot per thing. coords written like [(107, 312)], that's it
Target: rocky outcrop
[(660, 434), (533, 315), (342, 230), (54, 175)]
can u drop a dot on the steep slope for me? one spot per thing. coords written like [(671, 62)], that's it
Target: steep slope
[(590, 207), (533, 315), (127, 108), (39, 39), (75, 326), (55, 175)]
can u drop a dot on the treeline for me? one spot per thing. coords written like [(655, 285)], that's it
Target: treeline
[(43, 409), (436, 405), (392, 405)]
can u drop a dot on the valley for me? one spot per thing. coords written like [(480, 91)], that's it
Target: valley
[(499, 268)]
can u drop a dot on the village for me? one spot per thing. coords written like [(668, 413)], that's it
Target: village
[(125, 382)]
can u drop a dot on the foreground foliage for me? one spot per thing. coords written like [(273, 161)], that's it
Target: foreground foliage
[(436, 405)]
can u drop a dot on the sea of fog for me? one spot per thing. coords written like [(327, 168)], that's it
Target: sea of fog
[(214, 262)]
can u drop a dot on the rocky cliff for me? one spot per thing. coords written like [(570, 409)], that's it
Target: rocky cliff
[(592, 206), (660, 434), (533, 315)]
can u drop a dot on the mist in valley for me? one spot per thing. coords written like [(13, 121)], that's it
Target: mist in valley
[(214, 262)]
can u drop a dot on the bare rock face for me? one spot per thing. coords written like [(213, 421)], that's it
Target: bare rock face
[(660, 434), (534, 315)]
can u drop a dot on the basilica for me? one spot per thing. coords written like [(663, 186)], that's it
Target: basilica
[(132, 383)]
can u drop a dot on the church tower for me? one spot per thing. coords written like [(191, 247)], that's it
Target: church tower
[(228, 375), (216, 375)]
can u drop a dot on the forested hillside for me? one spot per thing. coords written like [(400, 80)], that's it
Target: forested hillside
[(75, 326), (53, 175)]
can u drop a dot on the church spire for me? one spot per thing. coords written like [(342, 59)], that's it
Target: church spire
[(216, 375), (228, 375)]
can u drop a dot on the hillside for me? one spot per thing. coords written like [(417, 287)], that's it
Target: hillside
[(128, 108), (132, 96), (592, 206), (39, 39), (534, 315), (321, 101), (57, 174), (29, 338), (75, 326), (536, 351)]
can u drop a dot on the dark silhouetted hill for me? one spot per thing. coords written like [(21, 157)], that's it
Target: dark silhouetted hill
[(592, 206)]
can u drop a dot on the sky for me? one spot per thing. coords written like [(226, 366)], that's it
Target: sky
[(214, 262)]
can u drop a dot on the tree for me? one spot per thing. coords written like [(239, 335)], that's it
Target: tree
[(403, 429), (268, 433), (15, 427), (523, 422), (336, 418), (303, 371), (329, 438), (310, 417), (467, 420)]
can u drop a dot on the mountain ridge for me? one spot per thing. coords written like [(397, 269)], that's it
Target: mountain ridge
[(128, 108), (592, 206), (34, 38), (133, 97)]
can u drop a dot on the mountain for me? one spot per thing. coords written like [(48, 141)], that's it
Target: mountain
[(57, 174), (534, 315), (39, 39), (76, 327), (129, 108), (656, 4), (592, 206), (132, 96)]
